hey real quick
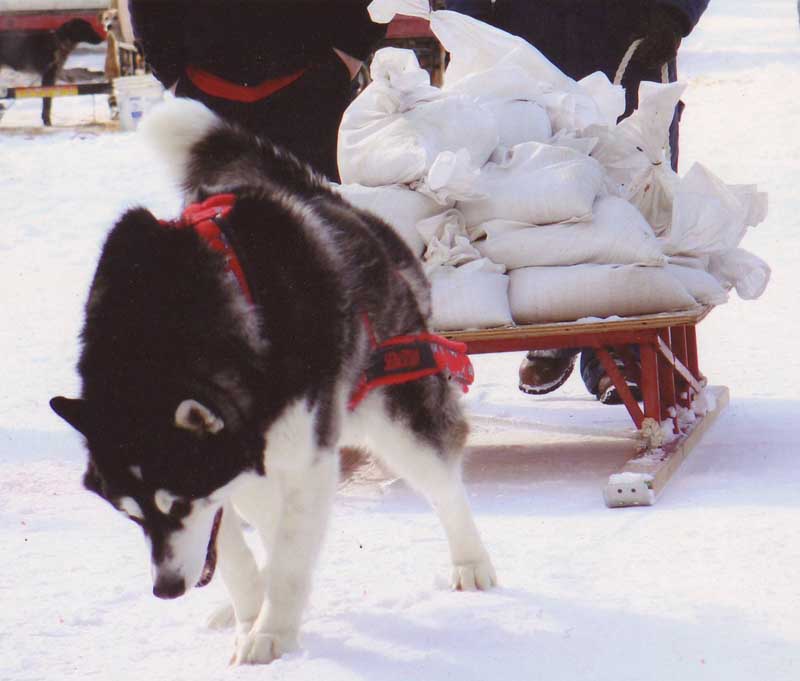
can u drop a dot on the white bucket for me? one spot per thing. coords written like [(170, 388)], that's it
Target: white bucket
[(136, 95)]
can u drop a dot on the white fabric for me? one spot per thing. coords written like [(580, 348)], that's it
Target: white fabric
[(448, 244), (394, 130), (634, 153), (739, 268), (469, 297), (519, 121), (703, 287), (708, 215), (617, 234), (398, 205), (561, 294), (495, 61), (538, 184), (593, 101), (572, 202)]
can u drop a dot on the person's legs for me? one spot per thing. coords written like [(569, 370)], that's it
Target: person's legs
[(599, 384)]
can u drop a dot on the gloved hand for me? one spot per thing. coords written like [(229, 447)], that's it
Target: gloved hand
[(661, 31)]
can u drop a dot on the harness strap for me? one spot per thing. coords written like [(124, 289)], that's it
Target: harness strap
[(206, 219), (407, 358)]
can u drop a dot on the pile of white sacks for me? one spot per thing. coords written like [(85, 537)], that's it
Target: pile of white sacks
[(525, 199)]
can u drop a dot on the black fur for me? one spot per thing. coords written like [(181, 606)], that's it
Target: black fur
[(44, 52)]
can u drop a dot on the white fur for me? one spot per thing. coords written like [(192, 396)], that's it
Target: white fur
[(289, 509), (191, 415), (188, 546), (435, 475), (174, 127), (131, 508), (164, 500)]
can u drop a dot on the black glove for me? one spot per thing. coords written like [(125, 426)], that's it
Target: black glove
[(661, 32)]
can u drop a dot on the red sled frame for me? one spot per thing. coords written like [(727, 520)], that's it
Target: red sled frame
[(668, 374)]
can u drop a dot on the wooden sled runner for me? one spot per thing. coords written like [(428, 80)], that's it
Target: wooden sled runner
[(678, 406)]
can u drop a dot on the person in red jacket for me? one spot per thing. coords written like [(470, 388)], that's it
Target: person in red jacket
[(282, 68)]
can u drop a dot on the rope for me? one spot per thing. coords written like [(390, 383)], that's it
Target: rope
[(623, 67), (626, 60)]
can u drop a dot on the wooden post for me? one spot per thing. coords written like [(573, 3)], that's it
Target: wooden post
[(650, 390)]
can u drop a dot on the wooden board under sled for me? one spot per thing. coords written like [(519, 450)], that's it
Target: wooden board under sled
[(668, 373), (642, 479)]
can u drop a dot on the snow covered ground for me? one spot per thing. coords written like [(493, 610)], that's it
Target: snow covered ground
[(701, 586)]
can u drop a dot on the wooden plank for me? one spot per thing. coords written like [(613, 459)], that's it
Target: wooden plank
[(643, 322), (679, 367), (642, 479)]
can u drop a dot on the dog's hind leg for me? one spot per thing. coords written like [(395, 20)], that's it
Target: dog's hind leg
[(434, 470)]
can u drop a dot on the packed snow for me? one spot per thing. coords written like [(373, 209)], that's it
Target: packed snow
[(703, 585)]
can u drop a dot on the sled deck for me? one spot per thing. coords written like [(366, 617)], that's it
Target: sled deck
[(678, 405)]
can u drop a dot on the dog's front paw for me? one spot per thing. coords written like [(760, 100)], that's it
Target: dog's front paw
[(479, 575), (258, 648)]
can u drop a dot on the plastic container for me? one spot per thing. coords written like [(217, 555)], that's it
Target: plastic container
[(136, 95)]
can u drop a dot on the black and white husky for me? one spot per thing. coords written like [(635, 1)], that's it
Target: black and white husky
[(201, 407)]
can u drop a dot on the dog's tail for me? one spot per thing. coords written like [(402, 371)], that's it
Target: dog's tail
[(174, 127)]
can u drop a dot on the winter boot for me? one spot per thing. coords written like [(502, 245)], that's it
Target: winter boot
[(543, 371)]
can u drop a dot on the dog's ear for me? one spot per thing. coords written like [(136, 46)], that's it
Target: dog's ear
[(74, 412), (191, 415)]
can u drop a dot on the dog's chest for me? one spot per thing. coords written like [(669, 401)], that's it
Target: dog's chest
[(291, 441)]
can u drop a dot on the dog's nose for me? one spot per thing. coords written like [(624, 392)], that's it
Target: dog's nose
[(169, 587)]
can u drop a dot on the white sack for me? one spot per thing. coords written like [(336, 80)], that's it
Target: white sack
[(538, 184), (739, 268), (703, 287), (616, 235), (451, 178), (592, 101), (398, 205), (469, 297), (447, 243), (486, 61), (392, 132), (708, 215), (561, 294), (519, 121), (635, 154)]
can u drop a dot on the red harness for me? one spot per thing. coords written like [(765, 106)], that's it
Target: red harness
[(406, 358), (204, 219), (397, 360)]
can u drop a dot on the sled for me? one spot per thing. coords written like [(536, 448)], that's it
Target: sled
[(668, 374)]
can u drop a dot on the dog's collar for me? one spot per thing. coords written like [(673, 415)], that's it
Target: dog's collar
[(207, 219)]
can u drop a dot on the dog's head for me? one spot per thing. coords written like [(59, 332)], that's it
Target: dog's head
[(79, 31), (168, 470)]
